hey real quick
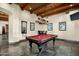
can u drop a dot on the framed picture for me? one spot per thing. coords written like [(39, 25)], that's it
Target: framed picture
[(62, 26), (50, 26), (32, 26), (23, 27)]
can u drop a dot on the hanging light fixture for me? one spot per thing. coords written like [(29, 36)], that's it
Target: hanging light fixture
[(41, 21)]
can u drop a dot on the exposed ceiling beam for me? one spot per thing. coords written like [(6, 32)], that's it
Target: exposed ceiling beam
[(2, 13), (39, 7), (3, 16), (24, 5), (60, 9), (31, 7), (47, 8), (3, 19)]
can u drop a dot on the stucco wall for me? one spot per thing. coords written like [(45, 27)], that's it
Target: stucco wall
[(16, 15), (72, 27)]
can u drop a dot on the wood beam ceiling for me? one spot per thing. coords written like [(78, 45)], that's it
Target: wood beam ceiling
[(3, 16), (47, 8), (33, 6), (3, 19), (58, 10), (23, 6), (43, 5)]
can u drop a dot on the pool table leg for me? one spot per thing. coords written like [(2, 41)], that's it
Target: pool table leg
[(30, 44), (54, 42), (42, 48), (39, 48)]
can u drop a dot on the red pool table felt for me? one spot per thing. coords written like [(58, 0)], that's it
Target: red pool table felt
[(42, 37)]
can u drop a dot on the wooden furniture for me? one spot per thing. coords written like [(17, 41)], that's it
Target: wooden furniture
[(41, 41)]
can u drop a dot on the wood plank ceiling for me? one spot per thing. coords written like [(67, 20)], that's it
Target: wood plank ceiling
[(43, 9), (3, 16), (47, 9)]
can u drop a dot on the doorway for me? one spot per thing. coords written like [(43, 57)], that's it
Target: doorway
[(4, 42)]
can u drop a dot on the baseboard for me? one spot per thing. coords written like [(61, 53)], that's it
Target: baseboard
[(66, 40), (15, 43)]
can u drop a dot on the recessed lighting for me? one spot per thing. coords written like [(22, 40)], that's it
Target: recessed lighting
[(71, 5), (30, 8)]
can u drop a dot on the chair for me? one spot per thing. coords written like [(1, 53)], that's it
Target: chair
[(44, 32), (40, 32)]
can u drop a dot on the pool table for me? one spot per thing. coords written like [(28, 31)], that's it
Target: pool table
[(41, 40)]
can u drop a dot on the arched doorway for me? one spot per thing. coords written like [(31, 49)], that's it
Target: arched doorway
[(4, 32), (4, 29)]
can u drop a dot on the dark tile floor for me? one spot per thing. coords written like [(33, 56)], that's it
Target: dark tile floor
[(62, 48)]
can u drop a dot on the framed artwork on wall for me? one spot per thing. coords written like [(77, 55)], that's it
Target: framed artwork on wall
[(23, 27), (50, 26), (32, 26), (62, 26)]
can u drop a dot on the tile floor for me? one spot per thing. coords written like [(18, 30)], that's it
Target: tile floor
[(62, 48)]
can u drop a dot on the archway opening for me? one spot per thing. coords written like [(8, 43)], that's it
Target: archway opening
[(4, 32)]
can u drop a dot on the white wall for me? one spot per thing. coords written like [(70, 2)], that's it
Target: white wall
[(26, 16), (72, 27), (16, 15), (2, 23), (14, 12)]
